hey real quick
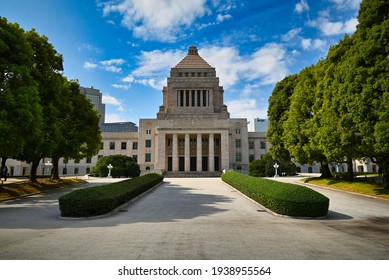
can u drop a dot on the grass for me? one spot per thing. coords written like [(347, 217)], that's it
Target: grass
[(357, 186), (24, 188)]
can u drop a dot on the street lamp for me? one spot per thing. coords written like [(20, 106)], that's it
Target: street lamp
[(276, 167), (109, 170)]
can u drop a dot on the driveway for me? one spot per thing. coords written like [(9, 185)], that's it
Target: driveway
[(196, 218)]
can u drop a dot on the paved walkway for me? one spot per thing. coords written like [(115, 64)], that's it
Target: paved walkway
[(197, 218)]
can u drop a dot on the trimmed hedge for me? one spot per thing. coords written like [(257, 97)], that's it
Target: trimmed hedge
[(282, 198), (99, 200)]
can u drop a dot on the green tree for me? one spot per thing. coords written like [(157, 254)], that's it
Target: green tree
[(264, 167), (123, 166), (20, 110), (79, 125), (279, 103), (45, 70)]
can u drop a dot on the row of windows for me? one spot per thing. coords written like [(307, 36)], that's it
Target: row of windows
[(87, 160), (193, 98), (123, 145), (193, 74), (262, 144), (193, 142), (75, 171)]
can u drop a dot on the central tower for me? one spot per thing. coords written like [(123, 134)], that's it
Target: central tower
[(193, 91)]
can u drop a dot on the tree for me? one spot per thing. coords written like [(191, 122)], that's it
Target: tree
[(79, 125), (264, 167), (279, 103), (20, 110), (123, 166), (45, 70)]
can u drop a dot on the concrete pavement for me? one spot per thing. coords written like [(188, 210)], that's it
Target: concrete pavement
[(196, 218)]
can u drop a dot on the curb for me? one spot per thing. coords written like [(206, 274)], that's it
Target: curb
[(117, 209)]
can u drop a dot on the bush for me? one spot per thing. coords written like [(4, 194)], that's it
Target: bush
[(264, 167), (282, 198), (123, 166), (102, 199)]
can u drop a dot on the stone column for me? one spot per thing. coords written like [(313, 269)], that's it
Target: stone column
[(187, 153), (224, 149), (211, 153), (175, 153), (199, 154)]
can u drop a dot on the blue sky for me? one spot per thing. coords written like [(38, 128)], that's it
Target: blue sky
[(126, 48)]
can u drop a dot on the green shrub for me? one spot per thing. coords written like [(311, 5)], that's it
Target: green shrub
[(123, 166), (102, 199), (282, 198)]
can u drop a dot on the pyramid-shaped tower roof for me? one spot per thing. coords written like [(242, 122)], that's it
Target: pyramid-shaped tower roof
[(193, 60)]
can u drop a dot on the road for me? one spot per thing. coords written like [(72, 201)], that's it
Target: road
[(196, 218)]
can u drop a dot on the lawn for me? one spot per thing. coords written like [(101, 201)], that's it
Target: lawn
[(357, 186), (24, 188)]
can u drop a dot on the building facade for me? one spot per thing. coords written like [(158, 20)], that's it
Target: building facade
[(192, 134)]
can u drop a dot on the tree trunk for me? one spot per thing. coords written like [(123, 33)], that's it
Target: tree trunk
[(55, 171), (3, 176), (325, 170), (385, 164), (350, 171), (34, 168)]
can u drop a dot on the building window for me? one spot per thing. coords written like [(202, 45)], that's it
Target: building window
[(187, 98), (135, 145), (181, 142), (251, 144), (87, 170), (193, 142), (205, 74), (147, 157), (64, 171), (76, 170), (148, 143), (124, 145), (135, 157), (102, 146), (204, 141), (179, 74), (112, 145), (204, 98), (169, 142), (148, 131), (216, 142), (263, 145), (237, 130), (88, 160), (238, 157), (238, 143), (251, 158)]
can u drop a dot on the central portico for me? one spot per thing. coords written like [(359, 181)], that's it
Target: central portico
[(193, 130)]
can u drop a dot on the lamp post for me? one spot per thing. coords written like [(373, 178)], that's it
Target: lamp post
[(109, 170), (276, 167)]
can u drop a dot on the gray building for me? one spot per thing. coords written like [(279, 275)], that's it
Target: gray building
[(96, 98), (119, 127), (261, 125)]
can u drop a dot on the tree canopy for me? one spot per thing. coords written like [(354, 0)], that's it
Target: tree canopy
[(338, 109), (123, 166), (42, 114)]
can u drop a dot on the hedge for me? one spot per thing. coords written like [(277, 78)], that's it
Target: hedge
[(99, 200), (281, 198)]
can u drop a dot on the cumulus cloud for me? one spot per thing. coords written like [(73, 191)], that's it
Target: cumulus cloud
[(246, 108), (162, 20), (291, 35), (329, 28), (112, 65), (265, 66), (110, 100), (221, 18), (301, 7), (347, 4), (313, 44), (121, 86)]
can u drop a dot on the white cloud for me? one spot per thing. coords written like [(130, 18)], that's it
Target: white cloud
[(301, 7), (110, 100), (347, 4), (90, 65), (265, 66), (221, 18), (110, 118), (291, 35), (121, 86), (246, 108), (107, 65), (162, 20), (329, 28), (313, 44)]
